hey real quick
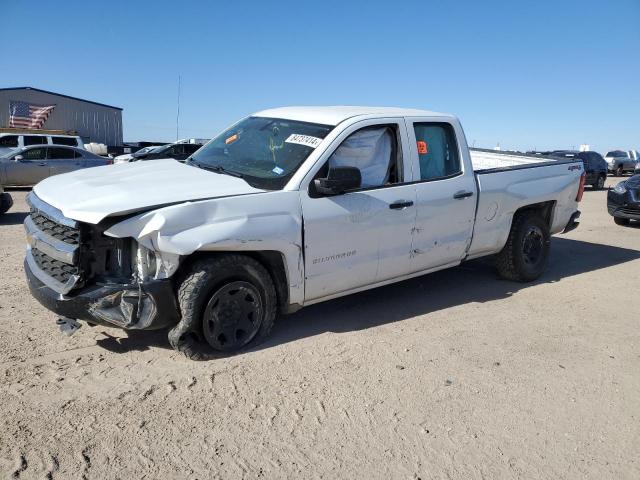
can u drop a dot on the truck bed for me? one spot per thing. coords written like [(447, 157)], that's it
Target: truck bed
[(485, 161)]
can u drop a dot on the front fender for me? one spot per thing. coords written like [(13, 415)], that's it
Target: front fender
[(263, 222)]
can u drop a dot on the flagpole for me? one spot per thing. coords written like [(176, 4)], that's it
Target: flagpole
[(178, 112)]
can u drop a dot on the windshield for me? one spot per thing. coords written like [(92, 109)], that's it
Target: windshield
[(11, 152), (265, 152), (616, 154)]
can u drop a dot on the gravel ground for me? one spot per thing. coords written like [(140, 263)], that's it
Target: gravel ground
[(453, 375)]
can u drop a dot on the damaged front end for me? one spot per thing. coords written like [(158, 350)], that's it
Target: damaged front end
[(78, 272)]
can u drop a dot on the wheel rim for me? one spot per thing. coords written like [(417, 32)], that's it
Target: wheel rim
[(532, 245), (600, 182), (232, 316)]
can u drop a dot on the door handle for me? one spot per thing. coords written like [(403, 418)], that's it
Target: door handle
[(461, 195), (399, 205), (42, 164)]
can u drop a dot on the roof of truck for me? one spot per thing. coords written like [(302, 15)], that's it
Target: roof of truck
[(333, 115)]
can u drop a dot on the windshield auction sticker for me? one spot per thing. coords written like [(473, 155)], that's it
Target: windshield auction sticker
[(306, 140)]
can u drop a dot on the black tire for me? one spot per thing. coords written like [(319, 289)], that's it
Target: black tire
[(619, 171), (621, 221), (599, 184), (207, 290), (526, 254), (6, 202)]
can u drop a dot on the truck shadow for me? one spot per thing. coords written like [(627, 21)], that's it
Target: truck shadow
[(472, 282)]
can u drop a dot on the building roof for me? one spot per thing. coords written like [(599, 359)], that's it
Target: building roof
[(336, 114), (60, 95)]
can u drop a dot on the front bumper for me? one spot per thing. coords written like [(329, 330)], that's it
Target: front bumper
[(626, 205), (146, 306)]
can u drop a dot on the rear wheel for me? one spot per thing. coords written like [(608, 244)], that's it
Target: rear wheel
[(621, 221), (227, 303), (5, 202), (619, 171), (599, 184), (525, 256)]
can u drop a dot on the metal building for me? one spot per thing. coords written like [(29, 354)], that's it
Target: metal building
[(94, 122)]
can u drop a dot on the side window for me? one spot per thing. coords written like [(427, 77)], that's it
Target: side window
[(72, 142), (35, 154), (60, 153), (437, 150), (10, 141), (177, 149), (34, 140), (373, 150), (192, 148)]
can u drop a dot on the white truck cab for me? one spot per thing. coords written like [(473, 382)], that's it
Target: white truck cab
[(287, 208)]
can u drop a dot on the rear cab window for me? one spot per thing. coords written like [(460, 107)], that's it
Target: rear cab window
[(70, 141), (437, 148), (10, 141), (34, 140)]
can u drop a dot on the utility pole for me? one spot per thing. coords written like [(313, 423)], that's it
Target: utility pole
[(178, 112)]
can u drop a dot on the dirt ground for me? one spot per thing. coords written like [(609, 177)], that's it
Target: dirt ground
[(454, 375)]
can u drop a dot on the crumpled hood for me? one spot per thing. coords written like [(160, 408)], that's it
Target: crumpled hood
[(92, 194)]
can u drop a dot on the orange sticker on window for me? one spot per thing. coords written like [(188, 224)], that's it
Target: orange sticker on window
[(231, 139), (422, 147)]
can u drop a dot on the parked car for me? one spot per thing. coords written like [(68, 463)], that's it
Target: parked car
[(128, 157), (177, 151), (29, 165), (623, 200), (619, 161), (5, 201), (595, 166), (287, 208), (13, 141)]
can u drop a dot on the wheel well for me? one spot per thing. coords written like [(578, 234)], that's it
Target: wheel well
[(272, 260), (544, 209)]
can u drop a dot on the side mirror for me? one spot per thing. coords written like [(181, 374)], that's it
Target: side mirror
[(338, 181), (18, 158)]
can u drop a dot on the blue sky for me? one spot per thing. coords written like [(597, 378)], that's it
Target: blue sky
[(544, 74)]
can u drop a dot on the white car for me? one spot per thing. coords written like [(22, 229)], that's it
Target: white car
[(287, 208), (14, 140), (127, 157)]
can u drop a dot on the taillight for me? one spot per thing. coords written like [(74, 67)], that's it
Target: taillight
[(583, 177), (110, 162)]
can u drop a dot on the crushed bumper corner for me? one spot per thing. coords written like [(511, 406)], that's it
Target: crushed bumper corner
[(573, 222), (146, 306)]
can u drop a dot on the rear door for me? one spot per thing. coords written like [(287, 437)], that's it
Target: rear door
[(63, 160), (362, 236), (445, 195), (32, 168)]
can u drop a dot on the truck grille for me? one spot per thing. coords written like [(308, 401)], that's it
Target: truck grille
[(56, 269), (54, 252), (61, 232)]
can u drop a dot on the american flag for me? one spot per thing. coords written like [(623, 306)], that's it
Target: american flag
[(28, 115)]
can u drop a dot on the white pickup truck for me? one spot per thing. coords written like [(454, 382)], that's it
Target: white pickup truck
[(287, 208)]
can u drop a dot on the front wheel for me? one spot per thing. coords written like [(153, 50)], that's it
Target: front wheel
[(599, 184), (619, 171), (227, 303), (525, 256)]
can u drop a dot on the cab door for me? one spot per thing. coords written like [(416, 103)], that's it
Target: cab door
[(362, 236), (446, 194), (29, 169)]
